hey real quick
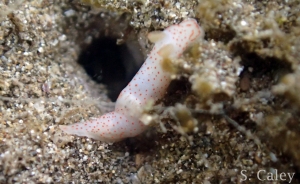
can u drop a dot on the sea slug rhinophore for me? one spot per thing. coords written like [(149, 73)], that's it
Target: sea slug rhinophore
[(150, 83)]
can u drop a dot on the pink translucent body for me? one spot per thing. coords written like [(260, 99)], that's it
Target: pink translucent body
[(150, 83)]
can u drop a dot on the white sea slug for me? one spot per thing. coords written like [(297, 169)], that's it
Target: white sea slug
[(150, 83)]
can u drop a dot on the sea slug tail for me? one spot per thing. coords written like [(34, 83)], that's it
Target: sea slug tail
[(110, 127)]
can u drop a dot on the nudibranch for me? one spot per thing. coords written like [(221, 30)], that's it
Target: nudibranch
[(150, 83)]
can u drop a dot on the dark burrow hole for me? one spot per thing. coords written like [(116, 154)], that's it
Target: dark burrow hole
[(111, 64)]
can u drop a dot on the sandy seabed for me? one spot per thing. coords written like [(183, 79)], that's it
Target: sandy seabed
[(247, 66)]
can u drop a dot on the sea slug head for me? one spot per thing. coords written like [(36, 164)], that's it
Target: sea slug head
[(192, 28), (184, 34)]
